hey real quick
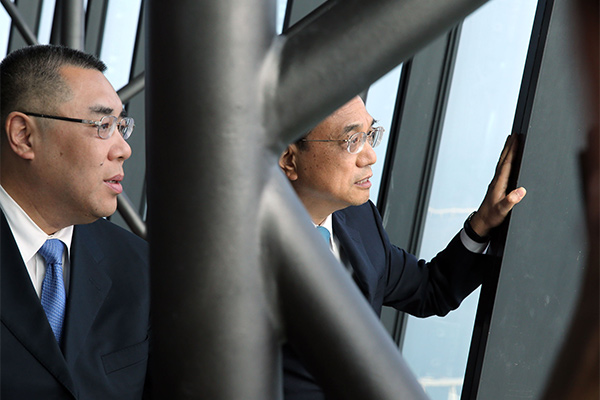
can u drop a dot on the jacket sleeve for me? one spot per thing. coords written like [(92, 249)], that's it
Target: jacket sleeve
[(436, 287)]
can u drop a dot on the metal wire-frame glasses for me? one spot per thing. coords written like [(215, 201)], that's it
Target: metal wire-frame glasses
[(356, 142), (106, 126)]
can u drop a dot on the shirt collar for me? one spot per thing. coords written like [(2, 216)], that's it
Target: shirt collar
[(328, 224), (27, 234)]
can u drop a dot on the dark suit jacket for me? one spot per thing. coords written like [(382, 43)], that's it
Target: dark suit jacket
[(387, 275), (106, 328)]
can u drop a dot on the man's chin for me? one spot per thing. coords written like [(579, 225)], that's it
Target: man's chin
[(357, 202), (104, 212), (362, 200)]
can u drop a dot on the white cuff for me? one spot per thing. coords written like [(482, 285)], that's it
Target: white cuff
[(472, 245)]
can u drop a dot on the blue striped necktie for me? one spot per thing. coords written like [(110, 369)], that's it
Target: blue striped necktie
[(54, 297)]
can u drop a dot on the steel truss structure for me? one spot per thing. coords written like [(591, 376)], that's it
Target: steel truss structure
[(231, 279), (237, 279)]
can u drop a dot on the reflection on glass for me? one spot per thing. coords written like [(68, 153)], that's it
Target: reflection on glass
[(479, 116), (119, 40), (381, 100)]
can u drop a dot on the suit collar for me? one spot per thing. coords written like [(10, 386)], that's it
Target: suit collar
[(88, 289), (22, 313), (353, 246)]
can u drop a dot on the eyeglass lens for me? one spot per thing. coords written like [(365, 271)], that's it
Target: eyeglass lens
[(357, 141), (108, 123)]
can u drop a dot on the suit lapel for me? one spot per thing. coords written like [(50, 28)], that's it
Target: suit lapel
[(87, 291), (22, 313), (352, 245)]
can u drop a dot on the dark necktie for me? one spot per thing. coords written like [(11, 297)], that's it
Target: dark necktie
[(53, 296)]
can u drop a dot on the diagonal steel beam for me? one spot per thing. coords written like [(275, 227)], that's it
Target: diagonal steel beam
[(20, 22), (323, 313), (135, 86), (342, 51), (130, 215), (230, 272)]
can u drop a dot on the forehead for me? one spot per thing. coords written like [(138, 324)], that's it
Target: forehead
[(90, 90), (351, 117)]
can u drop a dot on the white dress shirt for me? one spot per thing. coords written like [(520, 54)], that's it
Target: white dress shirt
[(30, 238)]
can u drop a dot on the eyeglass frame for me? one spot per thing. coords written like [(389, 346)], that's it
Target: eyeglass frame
[(362, 136), (115, 123)]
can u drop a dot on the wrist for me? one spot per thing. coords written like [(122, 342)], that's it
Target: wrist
[(471, 233)]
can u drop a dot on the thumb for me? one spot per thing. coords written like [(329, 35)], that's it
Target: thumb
[(516, 196)]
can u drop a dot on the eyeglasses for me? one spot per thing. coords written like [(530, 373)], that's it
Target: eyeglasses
[(356, 142), (106, 126)]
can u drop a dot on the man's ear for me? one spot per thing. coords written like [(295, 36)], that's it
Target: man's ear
[(287, 162), (18, 132)]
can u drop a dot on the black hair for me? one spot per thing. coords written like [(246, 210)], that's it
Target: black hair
[(30, 78)]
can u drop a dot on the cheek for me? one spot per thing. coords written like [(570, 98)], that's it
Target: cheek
[(82, 166)]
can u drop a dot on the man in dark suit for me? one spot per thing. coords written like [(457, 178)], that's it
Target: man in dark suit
[(75, 302), (330, 170)]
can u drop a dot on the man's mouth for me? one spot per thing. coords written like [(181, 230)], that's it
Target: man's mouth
[(115, 183), (364, 183)]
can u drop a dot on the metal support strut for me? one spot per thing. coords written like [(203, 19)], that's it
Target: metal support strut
[(231, 277)]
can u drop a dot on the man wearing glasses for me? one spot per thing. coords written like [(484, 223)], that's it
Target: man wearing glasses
[(75, 300), (330, 171)]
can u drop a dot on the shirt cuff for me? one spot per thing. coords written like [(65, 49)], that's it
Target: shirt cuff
[(471, 245)]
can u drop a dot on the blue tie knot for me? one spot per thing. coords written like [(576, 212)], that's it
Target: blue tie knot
[(52, 251), (325, 233)]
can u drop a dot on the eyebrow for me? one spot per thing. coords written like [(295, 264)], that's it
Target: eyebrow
[(106, 111), (349, 128)]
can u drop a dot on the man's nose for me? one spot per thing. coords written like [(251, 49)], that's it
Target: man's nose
[(120, 149), (366, 156)]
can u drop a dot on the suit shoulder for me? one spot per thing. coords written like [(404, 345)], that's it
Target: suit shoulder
[(105, 233), (107, 226), (359, 215)]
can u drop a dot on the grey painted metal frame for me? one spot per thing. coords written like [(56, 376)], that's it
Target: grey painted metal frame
[(68, 24), (297, 10), (412, 157), (19, 22), (545, 253), (412, 151), (73, 31), (24, 30), (231, 277), (95, 22)]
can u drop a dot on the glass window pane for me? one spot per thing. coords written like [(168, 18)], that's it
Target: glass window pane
[(381, 100), (4, 31), (485, 87), (46, 19), (281, 7), (119, 39)]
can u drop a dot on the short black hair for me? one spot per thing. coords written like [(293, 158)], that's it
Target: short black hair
[(30, 78)]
